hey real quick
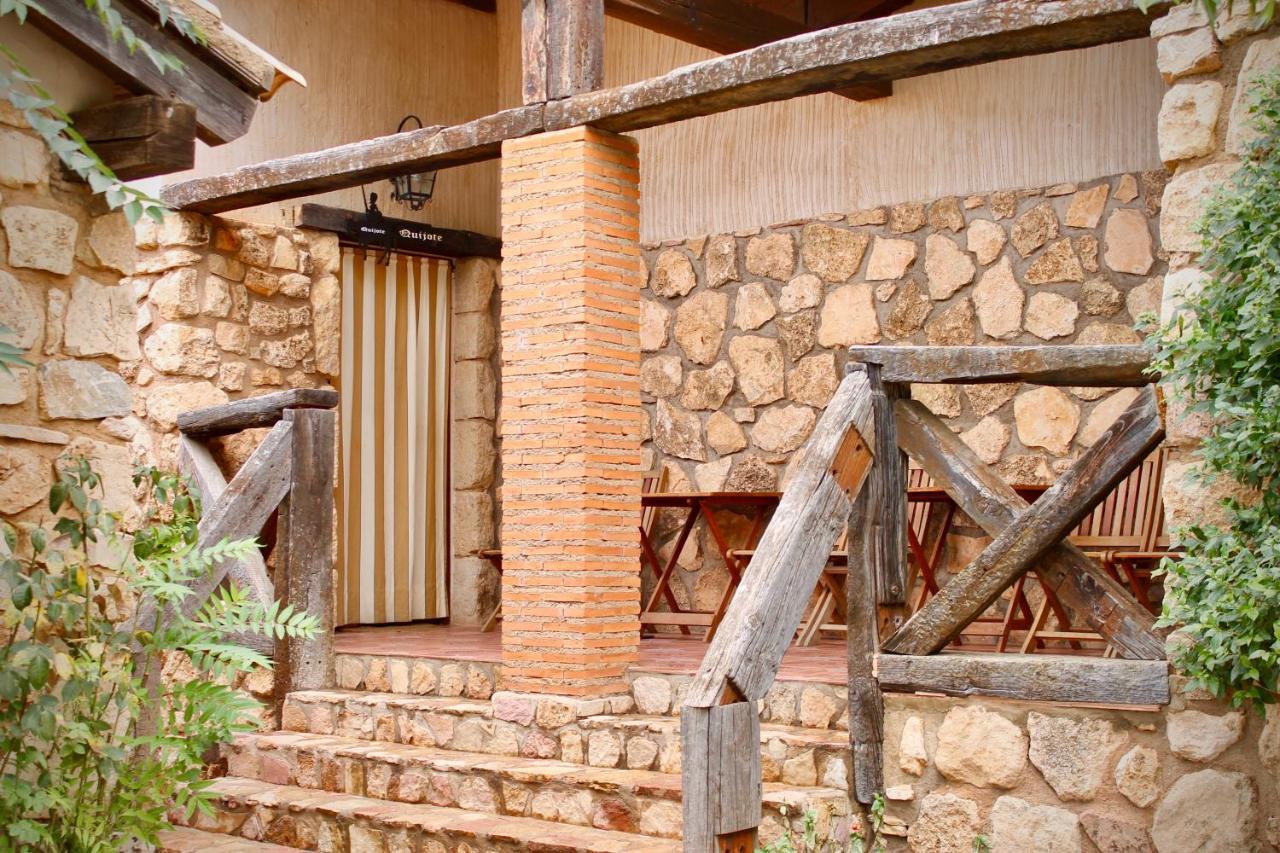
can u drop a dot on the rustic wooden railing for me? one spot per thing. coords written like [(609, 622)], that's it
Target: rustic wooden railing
[(290, 474), (853, 471)]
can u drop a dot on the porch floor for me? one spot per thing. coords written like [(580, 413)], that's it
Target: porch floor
[(825, 662)]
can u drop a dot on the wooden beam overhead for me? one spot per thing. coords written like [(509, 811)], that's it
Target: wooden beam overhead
[(140, 137), (876, 51), (1040, 678), (223, 109)]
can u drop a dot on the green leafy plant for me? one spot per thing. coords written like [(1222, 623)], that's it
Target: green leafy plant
[(1222, 355), (1263, 10), (871, 840), (981, 844), (10, 354), (96, 748), (24, 92), (809, 841)]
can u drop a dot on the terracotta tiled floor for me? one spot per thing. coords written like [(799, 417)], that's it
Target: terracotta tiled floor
[(824, 662)]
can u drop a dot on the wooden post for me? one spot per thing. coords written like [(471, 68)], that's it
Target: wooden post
[(870, 531), (305, 551), (562, 48), (727, 784), (886, 545)]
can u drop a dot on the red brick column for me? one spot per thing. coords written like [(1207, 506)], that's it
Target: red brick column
[(571, 412)]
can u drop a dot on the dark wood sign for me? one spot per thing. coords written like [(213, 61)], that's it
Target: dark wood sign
[(398, 235)]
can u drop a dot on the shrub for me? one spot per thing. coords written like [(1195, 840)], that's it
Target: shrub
[(90, 758), (1223, 356)]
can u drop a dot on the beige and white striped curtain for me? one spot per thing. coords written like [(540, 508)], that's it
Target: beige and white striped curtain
[(393, 472)]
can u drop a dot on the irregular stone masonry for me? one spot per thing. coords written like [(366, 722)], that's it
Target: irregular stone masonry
[(768, 314), (570, 411), (300, 818), (515, 725), (624, 800)]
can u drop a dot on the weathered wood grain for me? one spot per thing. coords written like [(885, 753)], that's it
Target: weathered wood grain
[(1075, 578), (1104, 366), (250, 412), (305, 551), (140, 137), (223, 109), (355, 163), (575, 40), (767, 608), (885, 537), (866, 706), (721, 788), (884, 49), (1042, 678), (866, 53), (1137, 431)]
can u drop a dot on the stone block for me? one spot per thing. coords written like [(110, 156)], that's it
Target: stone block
[(980, 748), (1188, 116), (101, 320), (39, 238), (672, 275), (1212, 811), (772, 256), (24, 159), (1183, 54), (81, 390)]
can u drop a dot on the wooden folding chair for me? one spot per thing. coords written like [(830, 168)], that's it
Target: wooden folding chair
[(1128, 522)]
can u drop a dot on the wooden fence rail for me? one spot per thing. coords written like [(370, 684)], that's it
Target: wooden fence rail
[(290, 474)]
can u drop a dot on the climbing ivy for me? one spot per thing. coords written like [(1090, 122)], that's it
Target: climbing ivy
[(1264, 10), (1222, 355)]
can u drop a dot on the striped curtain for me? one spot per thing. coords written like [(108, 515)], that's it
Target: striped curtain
[(393, 472)]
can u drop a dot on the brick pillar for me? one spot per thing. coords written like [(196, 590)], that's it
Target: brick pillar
[(571, 412)]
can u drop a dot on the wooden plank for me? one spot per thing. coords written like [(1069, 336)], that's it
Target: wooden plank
[(354, 229), (885, 49), (140, 137), (885, 538), (1137, 432), (535, 59), (1074, 577), (305, 551), (770, 602), (355, 163), (1105, 366), (721, 773), (250, 573), (866, 705), (250, 412), (1043, 678), (223, 109)]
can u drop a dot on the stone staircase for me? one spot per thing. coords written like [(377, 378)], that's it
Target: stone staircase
[(394, 763)]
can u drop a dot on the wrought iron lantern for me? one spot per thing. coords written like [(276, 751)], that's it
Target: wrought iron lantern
[(415, 188)]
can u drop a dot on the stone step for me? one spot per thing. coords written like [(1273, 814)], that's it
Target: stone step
[(810, 704), (184, 839), (635, 741), (644, 801), (305, 819)]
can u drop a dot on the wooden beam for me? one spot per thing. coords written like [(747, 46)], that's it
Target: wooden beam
[(893, 48), (867, 539), (1105, 366), (1137, 432), (140, 137), (305, 551), (223, 109), (885, 49), (767, 608), (884, 535), (355, 163), (562, 48), (354, 229), (1041, 678), (250, 412), (719, 798), (1079, 582)]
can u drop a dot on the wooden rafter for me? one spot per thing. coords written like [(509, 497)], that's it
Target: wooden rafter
[(885, 49), (1101, 366), (223, 109), (1137, 431)]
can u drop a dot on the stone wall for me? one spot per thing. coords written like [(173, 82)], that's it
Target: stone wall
[(1193, 776), (1204, 130), (127, 328), (744, 335)]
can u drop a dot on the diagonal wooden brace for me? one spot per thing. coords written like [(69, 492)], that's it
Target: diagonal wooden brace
[(1137, 431), (993, 504)]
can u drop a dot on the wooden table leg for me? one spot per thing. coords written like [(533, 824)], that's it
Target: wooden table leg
[(663, 581)]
